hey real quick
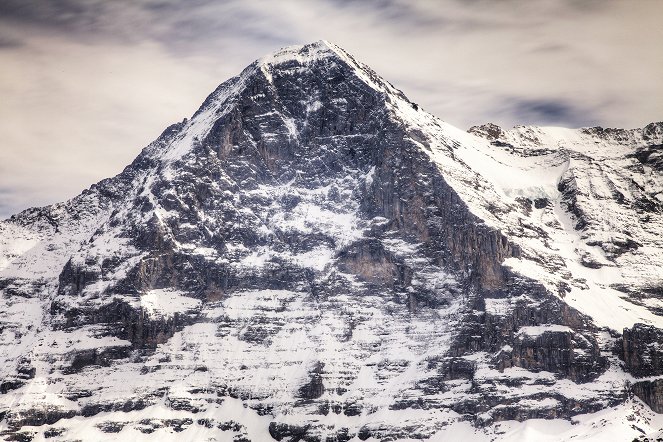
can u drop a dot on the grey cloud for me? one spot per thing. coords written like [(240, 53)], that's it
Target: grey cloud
[(189, 25), (549, 112), (68, 15), (8, 42), (394, 10), (549, 47)]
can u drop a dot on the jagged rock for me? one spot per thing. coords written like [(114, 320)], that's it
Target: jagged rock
[(37, 416), (314, 388), (642, 350), (53, 432), (295, 433), (111, 427), (102, 357), (557, 349), (651, 393), (489, 131)]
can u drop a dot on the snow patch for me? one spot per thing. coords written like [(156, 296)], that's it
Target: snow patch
[(538, 330), (167, 302)]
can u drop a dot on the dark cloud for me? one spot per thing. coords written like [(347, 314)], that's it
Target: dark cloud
[(549, 112), (394, 11), (67, 15), (183, 27), (9, 42)]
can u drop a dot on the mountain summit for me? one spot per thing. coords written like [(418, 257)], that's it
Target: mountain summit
[(313, 257)]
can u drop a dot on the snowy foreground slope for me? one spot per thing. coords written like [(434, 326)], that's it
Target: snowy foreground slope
[(313, 257)]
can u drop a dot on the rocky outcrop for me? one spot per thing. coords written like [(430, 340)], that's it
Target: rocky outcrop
[(314, 386), (38, 416), (102, 357), (642, 350), (557, 350), (74, 278), (489, 131), (651, 393), (532, 330), (24, 372)]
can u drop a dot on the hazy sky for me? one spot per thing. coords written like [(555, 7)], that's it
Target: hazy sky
[(85, 84)]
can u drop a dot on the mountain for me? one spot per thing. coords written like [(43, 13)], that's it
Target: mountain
[(313, 257)]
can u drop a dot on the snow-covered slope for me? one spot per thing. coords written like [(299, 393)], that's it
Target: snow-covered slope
[(313, 257), (600, 196)]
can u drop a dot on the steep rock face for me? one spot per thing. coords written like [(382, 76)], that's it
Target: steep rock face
[(643, 357), (651, 393), (314, 257), (641, 350), (216, 199)]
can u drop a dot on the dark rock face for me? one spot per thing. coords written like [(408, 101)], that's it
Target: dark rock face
[(489, 130), (123, 321), (569, 190), (24, 372), (281, 431), (563, 352), (314, 388), (38, 417), (349, 134), (537, 332), (82, 359), (73, 279), (651, 393), (642, 350)]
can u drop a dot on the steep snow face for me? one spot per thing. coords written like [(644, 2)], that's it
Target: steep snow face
[(596, 213), (313, 256)]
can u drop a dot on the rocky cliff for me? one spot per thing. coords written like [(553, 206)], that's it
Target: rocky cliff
[(313, 257)]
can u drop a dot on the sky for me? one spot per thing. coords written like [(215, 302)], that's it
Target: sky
[(86, 84)]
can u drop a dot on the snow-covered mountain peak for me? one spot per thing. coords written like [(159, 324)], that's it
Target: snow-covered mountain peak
[(302, 57), (313, 257), (303, 54), (320, 60)]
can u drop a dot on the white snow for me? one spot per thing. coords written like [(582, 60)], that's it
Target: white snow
[(538, 330), (625, 422), (167, 302), (313, 106), (14, 242), (498, 306)]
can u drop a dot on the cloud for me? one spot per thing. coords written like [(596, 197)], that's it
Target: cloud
[(548, 112), (86, 83), (66, 123)]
